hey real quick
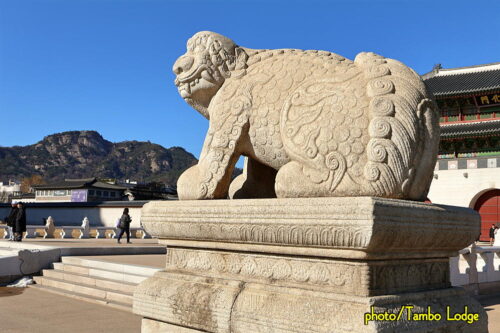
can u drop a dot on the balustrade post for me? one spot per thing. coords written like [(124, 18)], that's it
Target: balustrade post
[(490, 266), (471, 259), (30, 232), (100, 233), (49, 228), (85, 231), (66, 232)]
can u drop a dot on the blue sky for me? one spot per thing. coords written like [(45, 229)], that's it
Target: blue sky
[(105, 65)]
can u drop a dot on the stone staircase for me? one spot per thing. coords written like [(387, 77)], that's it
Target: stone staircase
[(95, 281)]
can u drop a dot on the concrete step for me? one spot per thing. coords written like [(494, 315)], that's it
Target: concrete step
[(119, 286), (100, 272), (83, 297), (90, 291), (94, 280), (109, 266)]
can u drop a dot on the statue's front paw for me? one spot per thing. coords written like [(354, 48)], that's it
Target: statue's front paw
[(190, 186)]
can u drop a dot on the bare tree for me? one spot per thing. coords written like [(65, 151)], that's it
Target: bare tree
[(28, 182)]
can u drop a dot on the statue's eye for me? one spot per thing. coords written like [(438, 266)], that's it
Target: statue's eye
[(199, 48)]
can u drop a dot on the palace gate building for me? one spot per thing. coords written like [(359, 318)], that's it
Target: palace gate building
[(468, 169)]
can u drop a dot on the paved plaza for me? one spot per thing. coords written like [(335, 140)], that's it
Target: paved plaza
[(29, 310), (491, 304)]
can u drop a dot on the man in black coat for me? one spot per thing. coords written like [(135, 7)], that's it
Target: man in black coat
[(492, 234), (11, 219), (20, 224)]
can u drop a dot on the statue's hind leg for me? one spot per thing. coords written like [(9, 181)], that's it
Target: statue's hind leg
[(295, 180), (256, 181), (307, 179)]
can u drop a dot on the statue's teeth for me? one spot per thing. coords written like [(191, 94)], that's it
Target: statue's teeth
[(206, 75)]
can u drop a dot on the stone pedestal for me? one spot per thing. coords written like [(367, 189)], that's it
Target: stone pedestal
[(307, 265)]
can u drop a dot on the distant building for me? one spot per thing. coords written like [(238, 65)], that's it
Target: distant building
[(7, 191), (78, 190), (11, 187), (468, 169)]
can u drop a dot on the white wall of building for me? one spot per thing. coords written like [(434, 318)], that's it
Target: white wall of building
[(462, 187), (11, 187)]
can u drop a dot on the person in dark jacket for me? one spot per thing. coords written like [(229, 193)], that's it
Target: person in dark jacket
[(20, 223), (11, 220), (124, 225), (492, 234)]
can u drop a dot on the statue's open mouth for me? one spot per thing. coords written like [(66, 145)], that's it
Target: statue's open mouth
[(202, 71), (189, 81), (185, 90)]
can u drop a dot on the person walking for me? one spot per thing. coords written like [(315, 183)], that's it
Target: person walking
[(20, 222), (492, 234), (11, 220), (124, 225)]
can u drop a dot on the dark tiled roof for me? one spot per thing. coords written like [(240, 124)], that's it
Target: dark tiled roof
[(464, 83), (470, 129), (66, 184), (78, 183), (108, 186), (81, 180)]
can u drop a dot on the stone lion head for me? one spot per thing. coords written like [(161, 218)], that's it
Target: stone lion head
[(210, 59)]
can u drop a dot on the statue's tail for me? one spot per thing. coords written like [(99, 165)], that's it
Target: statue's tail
[(428, 114), (404, 129)]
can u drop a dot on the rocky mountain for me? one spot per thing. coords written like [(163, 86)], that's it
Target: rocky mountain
[(82, 154)]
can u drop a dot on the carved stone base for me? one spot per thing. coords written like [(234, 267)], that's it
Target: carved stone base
[(307, 265), (206, 304), (353, 277)]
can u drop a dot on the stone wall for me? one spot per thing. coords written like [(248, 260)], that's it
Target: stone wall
[(99, 214)]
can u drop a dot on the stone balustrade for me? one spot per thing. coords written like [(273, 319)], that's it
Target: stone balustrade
[(84, 231), (101, 232), (31, 231), (143, 233), (476, 266), (134, 232), (67, 232)]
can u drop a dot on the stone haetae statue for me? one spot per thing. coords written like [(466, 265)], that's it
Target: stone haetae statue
[(311, 123)]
